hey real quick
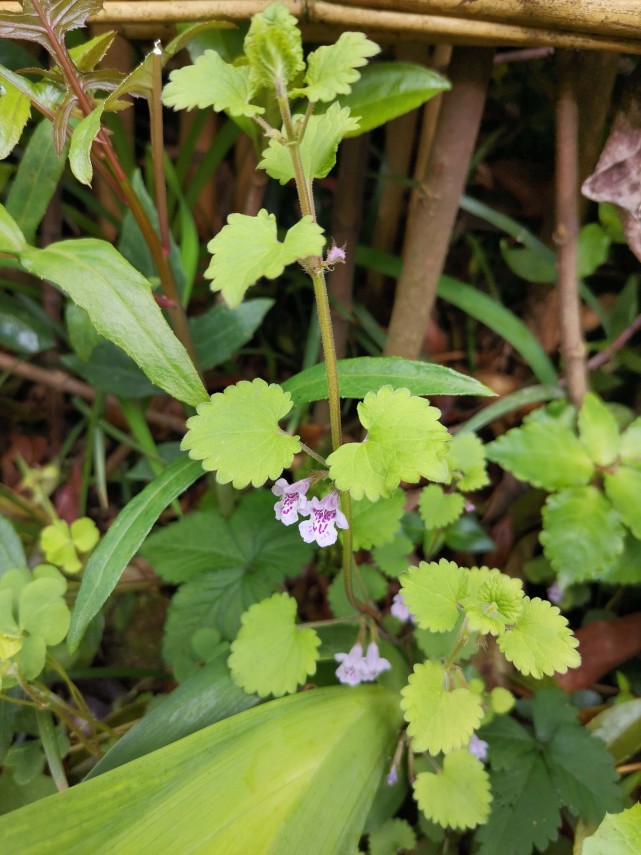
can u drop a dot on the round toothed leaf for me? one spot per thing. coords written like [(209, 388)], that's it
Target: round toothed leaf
[(438, 508), (376, 523), (211, 82), (368, 577), (494, 604), (236, 434), (405, 441), (540, 642), (331, 69), (248, 248), (271, 655), (433, 594), (599, 431), (582, 533), (466, 458), (438, 719), (623, 489), (392, 836), (459, 795), (273, 47)]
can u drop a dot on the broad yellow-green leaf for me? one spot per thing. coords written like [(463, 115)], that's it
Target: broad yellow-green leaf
[(623, 489), (540, 642), (495, 603), (404, 442), (631, 444), (42, 611), (618, 834), (599, 431), (271, 655), (376, 523), (434, 592), (331, 69), (15, 108), (437, 508), (11, 237), (440, 717), (236, 434), (270, 781), (459, 795), (466, 458), (248, 248), (392, 836)]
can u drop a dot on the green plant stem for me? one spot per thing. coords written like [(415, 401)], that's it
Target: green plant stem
[(49, 740), (158, 150)]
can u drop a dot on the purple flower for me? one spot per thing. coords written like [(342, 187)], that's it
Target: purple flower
[(392, 777), (293, 501), (325, 515), (335, 255), (356, 668), (477, 747), (400, 610), (555, 593)]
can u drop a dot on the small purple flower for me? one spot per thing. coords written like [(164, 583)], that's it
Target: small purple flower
[(349, 672), (293, 499), (325, 515), (477, 747), (555, 593), (392, 777), (400, 610), (335, 255), (374, 663)]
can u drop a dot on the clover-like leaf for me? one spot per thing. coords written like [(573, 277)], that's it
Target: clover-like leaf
[(11, 638), (459, 795), (546, 455), (582, 533), (439, 718), (273, 47), (42, 610), (623, 489), (31, 657), (317, 148), (211, 82), (433, 594), (248, 248), (58, 547), (599, 431), (404, 442), (540, 642), (271, 655), (376, 523), (494, 604), (331, 69), (236, 434), (466, 458), (84, 534), (438, 508)]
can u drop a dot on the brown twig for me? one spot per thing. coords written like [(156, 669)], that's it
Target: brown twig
[(567, 229), (620, 341)]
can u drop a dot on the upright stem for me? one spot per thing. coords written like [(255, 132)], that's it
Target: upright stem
[(158, 150), (49, 739)]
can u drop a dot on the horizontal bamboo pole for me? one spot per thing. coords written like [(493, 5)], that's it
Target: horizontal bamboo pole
[(322, 19)]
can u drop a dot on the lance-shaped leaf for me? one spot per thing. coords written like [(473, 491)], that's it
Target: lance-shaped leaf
[(271, 655), (317, 148), (39, 18), (11, 238), (248, 248), (405, 441), (82, 140), (459, 795), (15, 108), (120, 304), (211, 82), (236, 433), (331, 69)]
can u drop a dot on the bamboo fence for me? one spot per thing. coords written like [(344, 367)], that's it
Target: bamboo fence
[(613, 25)]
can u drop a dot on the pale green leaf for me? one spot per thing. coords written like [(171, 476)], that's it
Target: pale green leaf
[(466, 458), (331, 69), (437, 508), (299, 769), (391, 837), (376, 523), (540, 642), (317, 148), (623, 489), (494, 604), (211, 82), (393, 557), (273, 47), (121, 307), (365, 577), (32, 656), (433, 593), (582, 534), (626, 567), (11, 550), (82, 140), (440, 718), (599, 431), (11, 238), (459, 795), (618, 834), (236, 434), (543, 455), (15, 108), (85, 534), (57, 545), (248, 248), (42, 611), (631, 444), (404, 442), (501, 700), (271, 655)]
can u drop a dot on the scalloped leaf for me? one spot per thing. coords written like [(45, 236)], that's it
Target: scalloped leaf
[(494, 603), (236, 434), (582, 534), (618, 834), (405, 441), (466, 458), (540, 643), (391, 836), (59, 16), (271, 655), (459, 795), (248, 248), (317, 148), (273, 47), (211, 82), (438, 719), (623, 489), (433, 593), (331, 69), (599, 431), (376, 523), (546, 456), (437, 508)]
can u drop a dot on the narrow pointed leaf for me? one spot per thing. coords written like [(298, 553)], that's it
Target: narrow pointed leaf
[(82, 140)]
